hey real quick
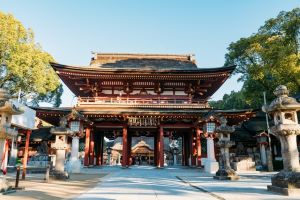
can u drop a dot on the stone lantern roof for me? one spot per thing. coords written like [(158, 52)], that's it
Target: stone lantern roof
[(224, 128), (282, 102), (62, 129), (6, 105)]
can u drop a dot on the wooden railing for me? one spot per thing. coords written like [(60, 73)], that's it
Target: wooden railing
[(139, 102)]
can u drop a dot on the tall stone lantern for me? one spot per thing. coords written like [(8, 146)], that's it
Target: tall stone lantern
[(76, 122), (286, 128), (7, 109), (223, 132), (60, 145)]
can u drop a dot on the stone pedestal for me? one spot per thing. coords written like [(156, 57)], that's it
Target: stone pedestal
[(225, 172), (74, 163), (3, 183), (175, 160), (13, 153), (211, 166), (287, 183), (243, 164), (263, 154), (119, 159), (60, 160)]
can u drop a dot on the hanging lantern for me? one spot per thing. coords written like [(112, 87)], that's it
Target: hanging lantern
[(76, 126), (209, 127)]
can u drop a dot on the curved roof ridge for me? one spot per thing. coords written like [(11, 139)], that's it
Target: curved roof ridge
[(144, 54)]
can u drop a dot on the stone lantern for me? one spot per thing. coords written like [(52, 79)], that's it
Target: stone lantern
[(108, 150), (74, 163), (174, 146), (286, 128), (223, 132), (262, 140), (60, 145), (7, 109)]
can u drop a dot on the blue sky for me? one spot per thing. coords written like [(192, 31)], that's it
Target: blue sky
[(70, 30)]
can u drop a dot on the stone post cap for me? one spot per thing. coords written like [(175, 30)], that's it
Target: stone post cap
[(281, 90)]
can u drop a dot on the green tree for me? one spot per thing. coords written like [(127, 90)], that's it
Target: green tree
[(269, 57), (234, 100), (24, 66)]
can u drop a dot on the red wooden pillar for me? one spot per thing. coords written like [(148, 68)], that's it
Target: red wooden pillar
[(161, 147), (125, 148), (198, 143), (92, 149), (187, 149), (155, 150), (193, 148), (101, 148), (99, 151), (25, 155), (87, 147), (183, 151), (129, 141)]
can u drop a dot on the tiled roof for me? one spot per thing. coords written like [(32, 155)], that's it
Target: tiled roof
[(144, 61)]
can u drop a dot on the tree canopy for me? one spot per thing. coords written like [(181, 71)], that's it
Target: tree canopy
[(268, 58), (234, 100), (24, 66)]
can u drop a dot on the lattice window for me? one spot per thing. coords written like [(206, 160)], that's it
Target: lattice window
[(210, 127), (75, 126)]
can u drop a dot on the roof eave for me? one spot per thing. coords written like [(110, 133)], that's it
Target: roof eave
[(88, 69)]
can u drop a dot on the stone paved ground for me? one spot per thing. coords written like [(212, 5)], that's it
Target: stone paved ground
[(37, 188), (143, 183)]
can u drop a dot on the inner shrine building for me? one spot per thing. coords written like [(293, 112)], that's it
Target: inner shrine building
[(149, 95)]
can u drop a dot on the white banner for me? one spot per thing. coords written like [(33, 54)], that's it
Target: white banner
[(25, 120)]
